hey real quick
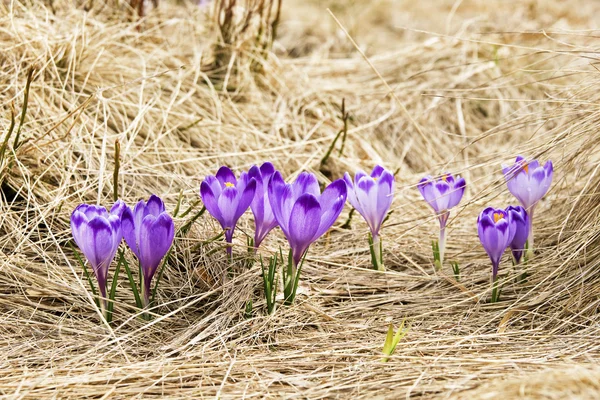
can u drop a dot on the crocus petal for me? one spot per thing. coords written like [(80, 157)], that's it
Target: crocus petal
[(246, 198), (79, 228), (258, 202), (210, 201), (281, 200), (155, 206), (266, 170), (157, 235), (305, 183), (214, 185), (352, 194), (457, 192), (385, 192), (442, 191), (366, 193), (128, 229), (118, 208), (228, 206), (378, 171), (303, 225), (225, 175), (332, 203), (100, 249)]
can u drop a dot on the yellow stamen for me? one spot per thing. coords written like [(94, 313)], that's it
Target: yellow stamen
[(526, 168), (229, 184), (498, 217), (445, 177)]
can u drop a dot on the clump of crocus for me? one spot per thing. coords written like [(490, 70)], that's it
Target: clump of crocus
[(521, 220), (227, 198), (148, 231), (264, 220), (372, 197), (98, 234), (304, 215), (442, 194), (528, 181), (496, 231)]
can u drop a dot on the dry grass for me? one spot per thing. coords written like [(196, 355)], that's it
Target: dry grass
[(487, 86)]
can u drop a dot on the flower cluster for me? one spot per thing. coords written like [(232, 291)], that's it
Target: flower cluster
[(148, 231), (512, 227), (304, 213)]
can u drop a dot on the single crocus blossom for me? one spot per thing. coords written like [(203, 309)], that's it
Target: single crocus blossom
[(528, 181), (227, 198), (372, 197), (264, 220), (98, 234), (519, 216), (442, 194), (496, 231), (148, 231), (304, 215)]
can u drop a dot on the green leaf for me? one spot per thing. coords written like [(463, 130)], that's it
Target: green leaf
[(178, 205), (87, 274), (134, 287), (391, 340), (387, 346), (113, 290), (160, 274)]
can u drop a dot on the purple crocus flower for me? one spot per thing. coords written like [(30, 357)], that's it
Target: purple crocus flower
[(227, 198), (97, 233), (303, 213), (149, 231), (521, 220), (442, 194), (528, 181), (372, 197), (496, 230), (264, 220)]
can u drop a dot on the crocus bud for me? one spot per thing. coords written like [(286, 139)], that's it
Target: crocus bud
[(519, 216), (98, 234), (148, 231)]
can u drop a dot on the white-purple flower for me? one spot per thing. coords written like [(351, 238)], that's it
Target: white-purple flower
[(442, 194), (372, 197), (528, 181), (98, 234), (227, 198), (264, 220), (303, 213), (148, 231)]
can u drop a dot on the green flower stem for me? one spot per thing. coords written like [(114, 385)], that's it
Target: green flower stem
[(496, 289), (376, 249)]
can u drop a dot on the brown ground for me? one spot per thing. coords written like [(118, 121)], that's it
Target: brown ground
[(474, 83)]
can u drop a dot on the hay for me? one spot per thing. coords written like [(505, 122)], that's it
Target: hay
[(489, 86)]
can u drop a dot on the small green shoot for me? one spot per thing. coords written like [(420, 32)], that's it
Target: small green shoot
[(456, 270), (391, 340), (435, 246), (112, 293), (270, 282), (248, 309)]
